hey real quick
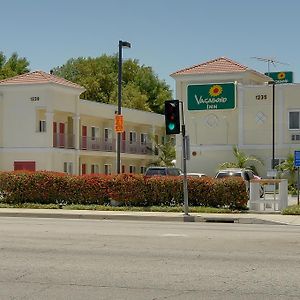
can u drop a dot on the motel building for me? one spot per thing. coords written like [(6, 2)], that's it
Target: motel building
[(227, 104), (44, 125)]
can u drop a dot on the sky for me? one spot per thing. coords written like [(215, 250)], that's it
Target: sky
[(167, 35)]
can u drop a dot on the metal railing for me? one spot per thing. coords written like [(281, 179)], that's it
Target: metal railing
[(61, 140), (109, 145), (67, 141)]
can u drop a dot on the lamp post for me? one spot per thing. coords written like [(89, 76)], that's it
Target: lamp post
[(273, 123), (122, 44)]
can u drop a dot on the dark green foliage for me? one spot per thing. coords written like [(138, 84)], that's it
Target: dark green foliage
[(141, 88), (13, 66)]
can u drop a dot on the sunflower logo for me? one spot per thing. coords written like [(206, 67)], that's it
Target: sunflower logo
[(281, 75), (215, 90)]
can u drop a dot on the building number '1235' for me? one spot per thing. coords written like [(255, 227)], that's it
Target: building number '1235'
[(261, 97)]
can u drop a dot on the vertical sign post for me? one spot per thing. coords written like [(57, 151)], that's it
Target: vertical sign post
[(297, 165), (172, 119), (184, 156)]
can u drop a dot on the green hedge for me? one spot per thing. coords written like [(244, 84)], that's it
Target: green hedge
[(129, 189)]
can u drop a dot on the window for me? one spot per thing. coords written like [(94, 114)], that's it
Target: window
[(107, 169), (131, 169), (95, 133), (143, 169), (132, 137), (107, 134), (294, 120), (144, 138), (123, 169), (68, 167), (295, 137), (94, 169), (42, 126)]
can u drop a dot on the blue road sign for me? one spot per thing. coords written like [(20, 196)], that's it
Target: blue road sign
[(297, 158)]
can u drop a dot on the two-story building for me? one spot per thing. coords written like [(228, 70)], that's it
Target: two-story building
[(227, 104), (44, 125)]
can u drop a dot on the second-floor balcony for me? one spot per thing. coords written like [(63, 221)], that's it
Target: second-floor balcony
[(61, 140), (67, 141), (109, 145)]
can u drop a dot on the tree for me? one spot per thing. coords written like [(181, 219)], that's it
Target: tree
[(141, 88), (242, 161), (166, 153), (287, 168), (13, 66)]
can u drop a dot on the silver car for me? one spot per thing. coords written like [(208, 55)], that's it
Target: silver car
[(163, 171), (246, 174)]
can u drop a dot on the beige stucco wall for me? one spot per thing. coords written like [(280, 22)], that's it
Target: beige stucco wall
[(20, 139), (213, 133), (257, 115), (42, 158), (1, 121), (19, 113)]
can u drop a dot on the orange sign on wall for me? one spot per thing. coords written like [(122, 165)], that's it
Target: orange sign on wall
[(119, 123)]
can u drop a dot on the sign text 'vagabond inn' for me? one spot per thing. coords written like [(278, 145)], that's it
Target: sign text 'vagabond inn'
[(211, 96)]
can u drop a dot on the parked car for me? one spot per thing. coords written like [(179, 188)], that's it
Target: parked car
[(196, 175), (163, 171), (246, 174)]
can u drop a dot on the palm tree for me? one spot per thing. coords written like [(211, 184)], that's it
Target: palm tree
[(288, 168), (242, 161), (166, 154)]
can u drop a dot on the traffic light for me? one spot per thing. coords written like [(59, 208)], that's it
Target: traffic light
[(172, 117)]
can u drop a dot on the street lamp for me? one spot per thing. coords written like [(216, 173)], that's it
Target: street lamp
[(122, 44), (273, 123)]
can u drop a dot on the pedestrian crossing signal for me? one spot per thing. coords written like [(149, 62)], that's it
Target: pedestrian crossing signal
[(119, 123)]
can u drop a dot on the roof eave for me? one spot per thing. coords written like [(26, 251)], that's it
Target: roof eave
[(79, 88)]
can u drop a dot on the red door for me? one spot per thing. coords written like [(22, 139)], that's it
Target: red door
[(24, 165), (123, 142), (54, 134), (83, 169), (62, 135), (84, 137)]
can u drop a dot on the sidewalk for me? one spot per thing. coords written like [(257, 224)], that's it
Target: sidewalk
[(243, 218)]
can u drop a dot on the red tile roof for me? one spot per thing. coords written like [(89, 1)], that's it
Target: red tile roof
[(39, 77), (218, 65)]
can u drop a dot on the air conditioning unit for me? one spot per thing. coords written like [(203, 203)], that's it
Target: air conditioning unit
[(295, 137)]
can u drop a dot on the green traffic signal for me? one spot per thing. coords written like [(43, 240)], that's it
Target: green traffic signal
[(172, 117), (171, 126)]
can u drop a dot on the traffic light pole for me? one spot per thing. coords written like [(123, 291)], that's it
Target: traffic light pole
[(184, 157)]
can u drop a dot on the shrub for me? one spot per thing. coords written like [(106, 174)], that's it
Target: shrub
[(50, 187), (164, 190), (129, 189)]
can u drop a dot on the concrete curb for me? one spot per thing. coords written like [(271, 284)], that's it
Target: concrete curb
[(94, 215)]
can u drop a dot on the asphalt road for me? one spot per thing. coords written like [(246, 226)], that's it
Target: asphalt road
[(90, 259)]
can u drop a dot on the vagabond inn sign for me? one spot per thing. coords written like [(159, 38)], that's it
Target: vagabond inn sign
[(211, 96)]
